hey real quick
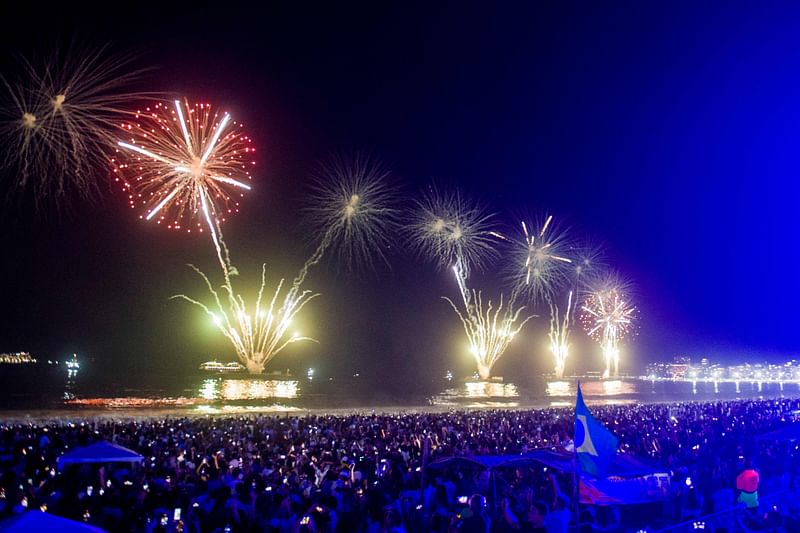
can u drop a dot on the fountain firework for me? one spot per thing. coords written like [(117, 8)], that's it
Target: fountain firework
[(585, 260), (489, 330), (608, 317), (260, 333), (559, 334)]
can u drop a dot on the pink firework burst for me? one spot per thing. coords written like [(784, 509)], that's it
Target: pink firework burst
[(184, 164)]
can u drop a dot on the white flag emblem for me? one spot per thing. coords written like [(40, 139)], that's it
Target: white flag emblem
[(586, 445)]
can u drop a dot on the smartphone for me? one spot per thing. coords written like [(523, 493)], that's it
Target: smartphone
[(176, 515), (462, 499), (305, 520), (164, 520)]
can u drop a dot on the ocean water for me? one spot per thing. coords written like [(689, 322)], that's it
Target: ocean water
[(47, 391)]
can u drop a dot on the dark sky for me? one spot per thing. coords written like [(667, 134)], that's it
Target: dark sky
[(667, 131)]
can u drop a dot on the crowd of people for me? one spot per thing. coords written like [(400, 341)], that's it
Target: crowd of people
[(370, 472)]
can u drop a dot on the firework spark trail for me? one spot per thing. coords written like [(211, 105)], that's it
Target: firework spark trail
[(539, 263), (559, 335), (608, 317), (60, 118), (450, 230), (489, 330)]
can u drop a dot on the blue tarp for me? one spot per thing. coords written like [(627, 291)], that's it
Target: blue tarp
[(37, 521), (100, 452), (790, 432)]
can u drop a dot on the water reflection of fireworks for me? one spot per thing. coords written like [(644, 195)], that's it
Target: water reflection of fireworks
[(591, 388), (487, 394), (247, 389)]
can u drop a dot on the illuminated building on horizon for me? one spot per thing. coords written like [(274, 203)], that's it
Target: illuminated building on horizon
[(18, 358), (682, 369)]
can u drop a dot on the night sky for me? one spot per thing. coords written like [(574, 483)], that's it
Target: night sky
[(668, 132)]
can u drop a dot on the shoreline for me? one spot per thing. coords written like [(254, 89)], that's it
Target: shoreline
[(78, 415)]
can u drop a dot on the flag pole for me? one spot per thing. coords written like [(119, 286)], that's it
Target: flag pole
[(576, 494)]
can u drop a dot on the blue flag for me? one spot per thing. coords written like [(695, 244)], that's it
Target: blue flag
[(594, 444)]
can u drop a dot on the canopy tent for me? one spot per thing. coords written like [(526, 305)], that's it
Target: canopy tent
[(35, 521), (629, 480), (789, 432), (100, 452), (623, 465)]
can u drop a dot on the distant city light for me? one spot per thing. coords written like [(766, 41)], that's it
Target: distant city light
[(682, 369)]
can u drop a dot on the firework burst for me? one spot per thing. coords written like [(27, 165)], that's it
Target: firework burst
[(608, 316), (184, 163), (452, 231), (59, 120), (489, 330), (24, 139), (587, 264), (351, 206), (539, 262)]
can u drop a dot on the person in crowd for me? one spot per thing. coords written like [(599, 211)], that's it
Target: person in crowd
[(747, 485), (364, 473)]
